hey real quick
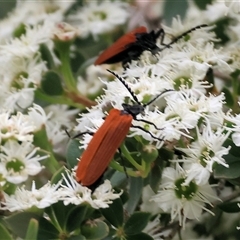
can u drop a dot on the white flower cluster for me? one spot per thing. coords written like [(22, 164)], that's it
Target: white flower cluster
[(38, 22), (99, 18), (22, 33), (70, 193), (19, 157), (21, 72), (22, 68)]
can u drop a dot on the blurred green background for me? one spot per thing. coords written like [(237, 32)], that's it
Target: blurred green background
[(6, 6)]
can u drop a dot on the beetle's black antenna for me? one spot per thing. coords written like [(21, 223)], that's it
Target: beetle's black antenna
[(126, 86), (155, 98), (181, 36)]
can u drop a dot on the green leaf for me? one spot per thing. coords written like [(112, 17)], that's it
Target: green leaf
[(52, 84), (220, 29), (164, 155), (136, 223), (228, 97), (230, 207), (235, 181), (77, 237), (58, 212), (4, 233), (73, 152), (156, 175), (114, 213), (47, 230), (75, 217), (231, 172), (19, 222), (135, 193), (139, 236), (32, 230), (117, 178), (124, 197), (96, 230)]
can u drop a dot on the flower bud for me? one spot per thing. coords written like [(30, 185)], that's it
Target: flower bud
[(149, 153), (65, 32)]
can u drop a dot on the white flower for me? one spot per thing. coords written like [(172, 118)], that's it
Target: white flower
[(64, 32), (233, 5), (24, 199), (180, 200), (98, 18), (32, 13), (61, 114), (18, 127), (57, 137), (75, 193), (27, 46), (19, 77), (153, 229), (190, 108), (88, 120), (38, 116), (20, 161), (177, 28), (167, 129), (104, 194), (90, 85), (203, 153), (188, 76), (214, 12)]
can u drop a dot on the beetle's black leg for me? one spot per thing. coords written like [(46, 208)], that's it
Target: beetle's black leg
[(139, 127), (78, 135)]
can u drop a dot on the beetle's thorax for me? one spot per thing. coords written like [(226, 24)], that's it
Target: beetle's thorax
[(133, 110)]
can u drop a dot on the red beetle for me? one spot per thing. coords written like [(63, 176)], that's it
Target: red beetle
[(108, 138), (131, 45)]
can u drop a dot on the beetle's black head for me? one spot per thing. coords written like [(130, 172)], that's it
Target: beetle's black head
[(133, 110), (147, 41)]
